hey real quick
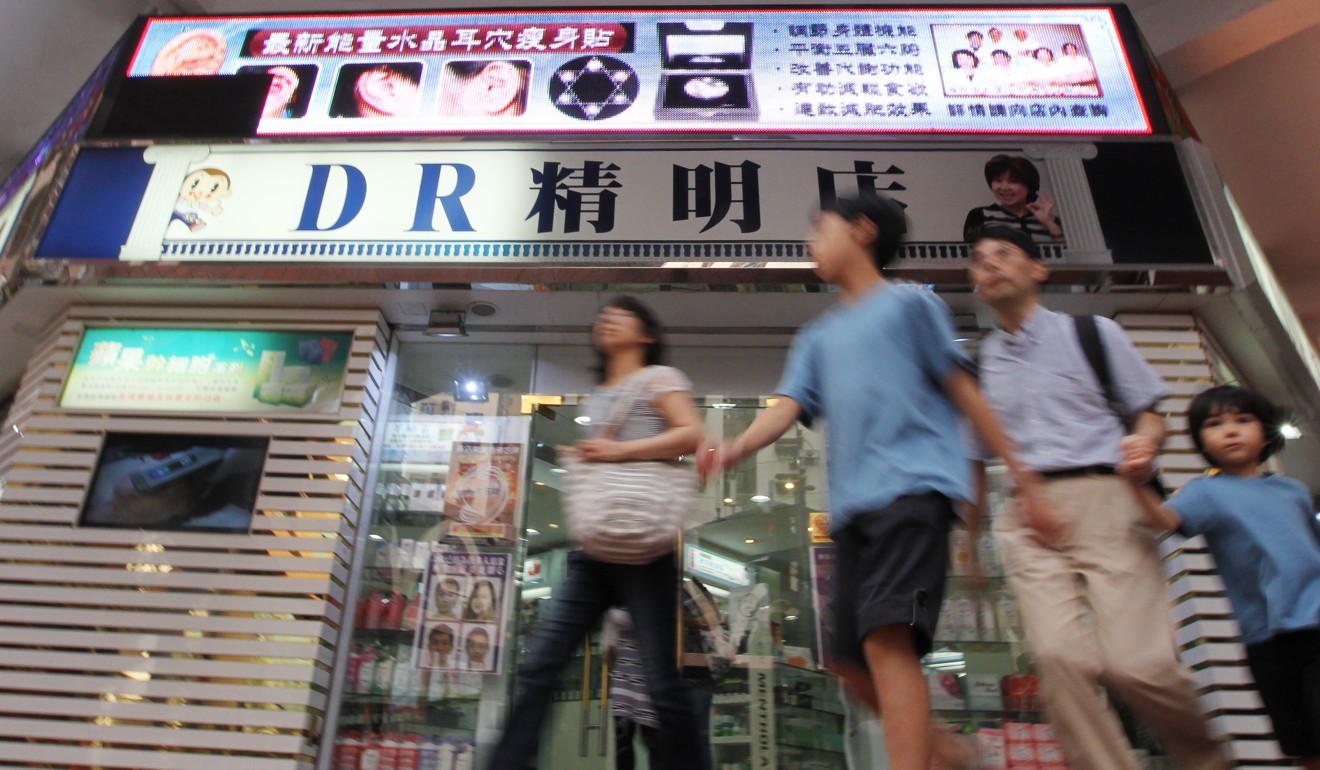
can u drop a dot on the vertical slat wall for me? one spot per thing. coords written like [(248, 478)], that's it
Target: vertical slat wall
[(177, 650), (1206, 629)]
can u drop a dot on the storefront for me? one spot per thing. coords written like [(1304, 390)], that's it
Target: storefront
[(282, 487)]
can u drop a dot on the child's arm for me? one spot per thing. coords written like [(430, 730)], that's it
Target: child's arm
[(1160, 516), (966, 395), (768, 426)]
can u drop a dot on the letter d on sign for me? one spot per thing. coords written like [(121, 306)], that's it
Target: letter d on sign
[(355, 194)]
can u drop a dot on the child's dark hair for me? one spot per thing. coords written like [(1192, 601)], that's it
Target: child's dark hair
[(655, 350), (884, 213), (1229, 398)]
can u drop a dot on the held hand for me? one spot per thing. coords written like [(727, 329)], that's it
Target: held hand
[(600, 450), (1138, 463), (712, 460)]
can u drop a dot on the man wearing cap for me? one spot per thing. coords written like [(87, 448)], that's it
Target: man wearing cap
[(883, 368), (1088, 583)]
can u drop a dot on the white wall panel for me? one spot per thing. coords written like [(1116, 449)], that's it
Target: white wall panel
[(177, 650)]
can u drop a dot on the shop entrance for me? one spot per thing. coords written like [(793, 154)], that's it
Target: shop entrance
[(468, 542)]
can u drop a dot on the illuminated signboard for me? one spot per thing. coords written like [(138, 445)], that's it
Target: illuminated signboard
[(716, 567), (874, 70), (208, 370)]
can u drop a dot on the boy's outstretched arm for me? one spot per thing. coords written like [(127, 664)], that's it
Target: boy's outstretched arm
[(966, 395), (768, 426), (1160, 516)]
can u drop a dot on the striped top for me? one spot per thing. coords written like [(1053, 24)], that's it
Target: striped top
[(644, 420), (993, 214)]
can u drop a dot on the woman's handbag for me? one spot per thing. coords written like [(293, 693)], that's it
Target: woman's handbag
[(627, 512)]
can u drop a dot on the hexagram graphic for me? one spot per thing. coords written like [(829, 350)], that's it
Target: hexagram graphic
[(593, 87)]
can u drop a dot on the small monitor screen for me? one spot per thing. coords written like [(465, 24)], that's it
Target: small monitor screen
[(175, 482)]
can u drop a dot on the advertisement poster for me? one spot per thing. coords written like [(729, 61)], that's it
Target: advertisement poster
[(463, 627), (208, 370), (822, 592), (483, 490), (1053, 70)]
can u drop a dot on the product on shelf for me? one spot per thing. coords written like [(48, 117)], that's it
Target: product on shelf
[(1021, 692), (946, 692)]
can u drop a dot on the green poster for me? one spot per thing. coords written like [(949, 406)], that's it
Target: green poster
[(208, 370)]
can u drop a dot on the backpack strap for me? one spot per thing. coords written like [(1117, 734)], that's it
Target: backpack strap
[(1093, 347)]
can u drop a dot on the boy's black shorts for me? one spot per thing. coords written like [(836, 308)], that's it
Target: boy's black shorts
[(1287, 671), (889, 571)]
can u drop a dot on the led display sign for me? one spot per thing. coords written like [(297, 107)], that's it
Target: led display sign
[(1061, 70)]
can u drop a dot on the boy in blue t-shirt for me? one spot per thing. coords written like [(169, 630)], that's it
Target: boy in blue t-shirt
[(883, 368), (1262, 531)]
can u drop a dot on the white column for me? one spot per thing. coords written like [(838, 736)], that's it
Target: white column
[(1081, 224), (171, 166)]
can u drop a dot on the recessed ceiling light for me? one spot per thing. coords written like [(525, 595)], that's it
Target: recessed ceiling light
[(531, 531), (749, 541), (760, 498), (539, 483), (1290, 431), (728, 501), (554, 526), (789, 485), (723, 405), (559, 470), (582, 420)]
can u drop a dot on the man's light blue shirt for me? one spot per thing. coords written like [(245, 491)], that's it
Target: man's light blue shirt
[(1048, 398), (875, 371), (1262, 532)]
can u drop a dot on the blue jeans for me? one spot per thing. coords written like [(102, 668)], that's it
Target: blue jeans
[(650, 594)]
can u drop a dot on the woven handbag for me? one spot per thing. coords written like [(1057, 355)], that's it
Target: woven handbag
[(627, 512)]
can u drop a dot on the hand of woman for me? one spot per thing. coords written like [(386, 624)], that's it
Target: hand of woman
[(1043, 209), (600, 450)]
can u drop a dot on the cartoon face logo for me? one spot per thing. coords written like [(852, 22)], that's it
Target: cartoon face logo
[(200, 194)]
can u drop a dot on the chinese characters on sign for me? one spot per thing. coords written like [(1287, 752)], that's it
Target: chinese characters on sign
[(973, 70)]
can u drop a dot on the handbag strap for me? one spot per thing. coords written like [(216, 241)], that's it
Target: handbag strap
[(627, 399)]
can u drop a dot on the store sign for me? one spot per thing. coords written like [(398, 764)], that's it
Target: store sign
[(715, 567), (207, 370), (689, 207), (1060, 70)]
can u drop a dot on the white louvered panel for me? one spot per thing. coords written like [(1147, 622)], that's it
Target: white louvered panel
[(109, 576), (193, 691), (1198, 369), (162, 644), (1241, 724), (162, 621), (1191, 562), (69, 755), (69, 459), (1224, 676), (1157, 320), (268, 717), (36, 513), (1165, 337), (1203, 629), (164, 666), (1209, 585), (1202, 607), (175, 558), (1215, 652), (206, 540), (1255, 751), (235, 631)]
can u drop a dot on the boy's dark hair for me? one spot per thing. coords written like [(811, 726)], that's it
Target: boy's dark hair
[(1019, 170), (655, 351), (1229, 398), (1001, 232), (884, 213)]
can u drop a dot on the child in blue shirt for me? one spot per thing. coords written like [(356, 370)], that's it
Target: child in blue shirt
[(883, 368), (1262, 531)]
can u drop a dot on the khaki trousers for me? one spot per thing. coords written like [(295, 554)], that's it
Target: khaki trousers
[(1095, 613)]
